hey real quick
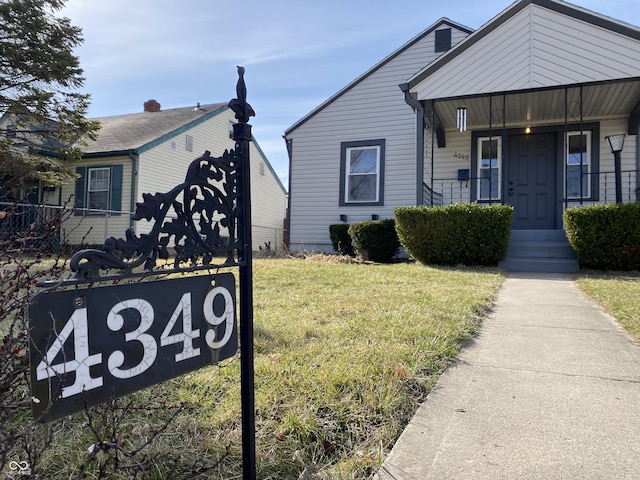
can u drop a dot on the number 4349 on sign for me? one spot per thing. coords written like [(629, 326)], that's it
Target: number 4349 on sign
[(91, 345)]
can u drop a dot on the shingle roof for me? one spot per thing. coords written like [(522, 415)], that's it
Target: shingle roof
[(134, 131)]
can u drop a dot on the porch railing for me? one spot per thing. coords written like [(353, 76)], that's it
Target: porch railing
[(446, 191)]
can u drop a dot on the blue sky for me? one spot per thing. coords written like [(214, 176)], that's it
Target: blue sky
[(297, 53)]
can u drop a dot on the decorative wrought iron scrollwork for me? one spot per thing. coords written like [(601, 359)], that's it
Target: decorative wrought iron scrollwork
[(200, 226)]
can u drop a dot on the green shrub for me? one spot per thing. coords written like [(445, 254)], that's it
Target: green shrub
[(605, 237), (375, 240), (339, 234), (462, 233)]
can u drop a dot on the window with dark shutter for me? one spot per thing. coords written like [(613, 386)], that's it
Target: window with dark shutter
[(443, 40)]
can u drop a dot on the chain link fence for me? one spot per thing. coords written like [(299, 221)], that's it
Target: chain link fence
[(28, 226)]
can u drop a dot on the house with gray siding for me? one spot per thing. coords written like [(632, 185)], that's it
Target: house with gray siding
[(522, 111), (367, 118), (150, 152)]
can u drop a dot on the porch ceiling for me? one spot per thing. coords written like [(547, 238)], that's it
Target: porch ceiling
[(539, 107)]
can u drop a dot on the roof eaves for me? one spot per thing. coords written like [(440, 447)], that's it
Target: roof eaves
[(113, 153), (384, 61)]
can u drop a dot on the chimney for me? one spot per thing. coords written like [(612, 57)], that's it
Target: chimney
[(151, 106)]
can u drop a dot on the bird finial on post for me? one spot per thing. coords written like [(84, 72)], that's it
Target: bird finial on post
[(239, 105)]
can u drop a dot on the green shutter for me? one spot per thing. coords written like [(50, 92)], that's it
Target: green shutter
[(81, 182), (116, 188)]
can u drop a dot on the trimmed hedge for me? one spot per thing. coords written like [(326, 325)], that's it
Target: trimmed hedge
[(340, 239), (458, 234), (375, 240), (605, 237)]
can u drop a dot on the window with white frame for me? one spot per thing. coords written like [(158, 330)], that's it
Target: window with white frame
[(578, 158), (98, 188), (489, 168), (362, 166)]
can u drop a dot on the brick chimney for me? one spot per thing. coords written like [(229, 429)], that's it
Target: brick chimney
[(151, 106)]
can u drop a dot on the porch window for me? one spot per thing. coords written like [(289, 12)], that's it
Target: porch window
[(579, 163), (489, 168), (362, 167), (98, 188)]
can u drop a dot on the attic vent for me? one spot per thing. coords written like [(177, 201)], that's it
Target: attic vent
[(151, 106), (443, 40)]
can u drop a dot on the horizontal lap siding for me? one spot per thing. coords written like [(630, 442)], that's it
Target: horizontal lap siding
[(536, 47), (370, 110), (163, 167), (569, 50), (446, 167), (93, 229), (628, 163), (501, 56)]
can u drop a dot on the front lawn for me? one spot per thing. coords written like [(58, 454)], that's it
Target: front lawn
[(344, 355), (617, 294)]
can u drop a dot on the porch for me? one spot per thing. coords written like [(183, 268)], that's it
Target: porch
[(445, 191), (538, 250)]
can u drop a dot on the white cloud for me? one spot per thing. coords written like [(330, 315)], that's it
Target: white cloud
[(298, 53)]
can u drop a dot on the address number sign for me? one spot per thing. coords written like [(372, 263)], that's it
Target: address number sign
[(91, 345)]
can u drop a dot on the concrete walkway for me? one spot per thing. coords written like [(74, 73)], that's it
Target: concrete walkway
[(549, 389)]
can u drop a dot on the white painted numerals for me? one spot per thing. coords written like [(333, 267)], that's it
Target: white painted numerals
[(80, 364), (76, 328), (228, 316), (115, 321), (187, 335)]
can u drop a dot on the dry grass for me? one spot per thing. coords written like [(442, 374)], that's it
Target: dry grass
[(344, 353), (619, 295)]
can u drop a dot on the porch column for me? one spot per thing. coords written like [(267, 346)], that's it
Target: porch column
[(418, 108)]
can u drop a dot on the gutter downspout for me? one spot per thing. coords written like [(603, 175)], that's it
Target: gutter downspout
[(134, 182), (638, 165), (419, 109), (289, 144)]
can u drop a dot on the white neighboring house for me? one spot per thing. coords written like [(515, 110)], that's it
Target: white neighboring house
[(516, 112), (149, 152)]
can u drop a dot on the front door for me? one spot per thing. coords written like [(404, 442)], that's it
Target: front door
[(531, 187)]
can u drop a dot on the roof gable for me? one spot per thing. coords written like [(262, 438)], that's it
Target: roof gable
[(534, 44), (141, 131), (443, 22)]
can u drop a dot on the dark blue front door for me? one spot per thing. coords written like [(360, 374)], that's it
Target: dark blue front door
[(531, 166)]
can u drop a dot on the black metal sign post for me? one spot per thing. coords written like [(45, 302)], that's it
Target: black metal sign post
[(91, 343), (242, 137)]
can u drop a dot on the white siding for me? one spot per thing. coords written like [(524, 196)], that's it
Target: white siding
[(371, 109), (164, 166), (456, 155), (94, 228), (628, 164), (448, 160), (536, 47)]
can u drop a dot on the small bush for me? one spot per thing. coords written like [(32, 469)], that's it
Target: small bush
[(463, 233), (339, 234), (375, 240), (605, 237)]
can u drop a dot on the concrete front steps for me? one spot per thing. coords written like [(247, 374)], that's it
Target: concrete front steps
[(539, 251)]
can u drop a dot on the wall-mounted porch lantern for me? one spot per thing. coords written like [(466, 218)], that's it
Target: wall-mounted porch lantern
[(616, 143)]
